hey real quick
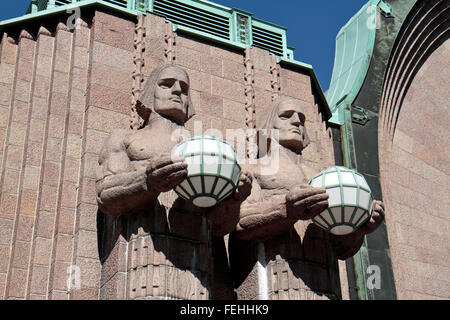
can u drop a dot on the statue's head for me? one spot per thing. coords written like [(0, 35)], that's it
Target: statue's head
[(167, 93), (286, 115)]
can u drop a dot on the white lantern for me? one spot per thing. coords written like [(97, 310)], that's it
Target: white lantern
[(350, 202), (213, 170)]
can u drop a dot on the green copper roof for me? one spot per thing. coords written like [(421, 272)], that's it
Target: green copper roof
[(205, 17), (354, 49)]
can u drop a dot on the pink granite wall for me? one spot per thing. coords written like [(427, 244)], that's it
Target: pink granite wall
[(62, 92), (57, 88), (414, 155), (417, 183)]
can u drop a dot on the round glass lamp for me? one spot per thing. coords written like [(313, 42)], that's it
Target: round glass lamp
[(350, 202), (213, 170)]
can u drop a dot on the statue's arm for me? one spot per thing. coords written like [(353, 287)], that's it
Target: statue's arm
[(121, 186), (263, 220), (348, 245), (260, 220), (225, 216)]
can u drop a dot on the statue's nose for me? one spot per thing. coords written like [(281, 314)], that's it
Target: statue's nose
[(176, 88), (295, 119)]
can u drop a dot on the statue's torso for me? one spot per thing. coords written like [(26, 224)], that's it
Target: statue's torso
[(295, 260), (289, 174), (148, 143), (168, 241)]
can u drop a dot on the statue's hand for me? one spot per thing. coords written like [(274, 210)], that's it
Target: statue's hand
[(225, 216), (244, 186), (376, 219), (305, 202), (163, 174)]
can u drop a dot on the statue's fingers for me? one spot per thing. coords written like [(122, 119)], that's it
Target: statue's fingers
[(161, 161), (317, 208), (177, 177), (380, 208), (244, 180), (299, 195), (248, 175), (377, 217), (312, 200), (173, 180), (169, 169)]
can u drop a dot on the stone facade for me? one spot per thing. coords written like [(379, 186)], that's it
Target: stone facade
[(414, 155), (419, 185), (57, 87)]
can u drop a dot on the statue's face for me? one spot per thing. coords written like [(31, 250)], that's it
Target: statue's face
[(290, 122), (171, 94)]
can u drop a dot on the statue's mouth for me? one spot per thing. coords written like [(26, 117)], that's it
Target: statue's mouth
[(175, 99)]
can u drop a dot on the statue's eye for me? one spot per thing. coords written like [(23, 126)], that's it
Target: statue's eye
[(285, 115), (184, 87), (166, 83)]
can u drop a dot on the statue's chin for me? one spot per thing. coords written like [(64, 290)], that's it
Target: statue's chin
[(295, 145), (174, 114)]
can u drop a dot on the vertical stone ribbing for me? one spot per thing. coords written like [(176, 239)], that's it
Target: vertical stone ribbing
[(53, 166), (34, 170), (111, 68), (8, 75), (85, 247), (250, 118), (15, 161), (138, 76)]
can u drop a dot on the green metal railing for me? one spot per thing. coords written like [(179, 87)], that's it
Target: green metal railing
[(202, 17)]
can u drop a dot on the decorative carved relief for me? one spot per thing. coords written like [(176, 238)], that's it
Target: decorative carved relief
[(170, 39), (138, 76), (250, 117), (275, 80)]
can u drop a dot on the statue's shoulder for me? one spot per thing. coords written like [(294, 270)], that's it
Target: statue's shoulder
[(118, 137), (115, 142)]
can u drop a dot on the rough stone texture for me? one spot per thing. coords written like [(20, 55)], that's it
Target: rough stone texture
[(43, 125), (165, 259), (275, 251), (52, 129), (217, 78), (416, 184), (15, 146)]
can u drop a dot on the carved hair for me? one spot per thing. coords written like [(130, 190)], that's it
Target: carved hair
[(144, 104), (266, 121)]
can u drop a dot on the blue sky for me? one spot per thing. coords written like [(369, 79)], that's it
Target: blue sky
[(312, 25)]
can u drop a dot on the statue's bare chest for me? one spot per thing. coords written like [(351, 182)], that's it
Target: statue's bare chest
[(287, 176), (147, 144)]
